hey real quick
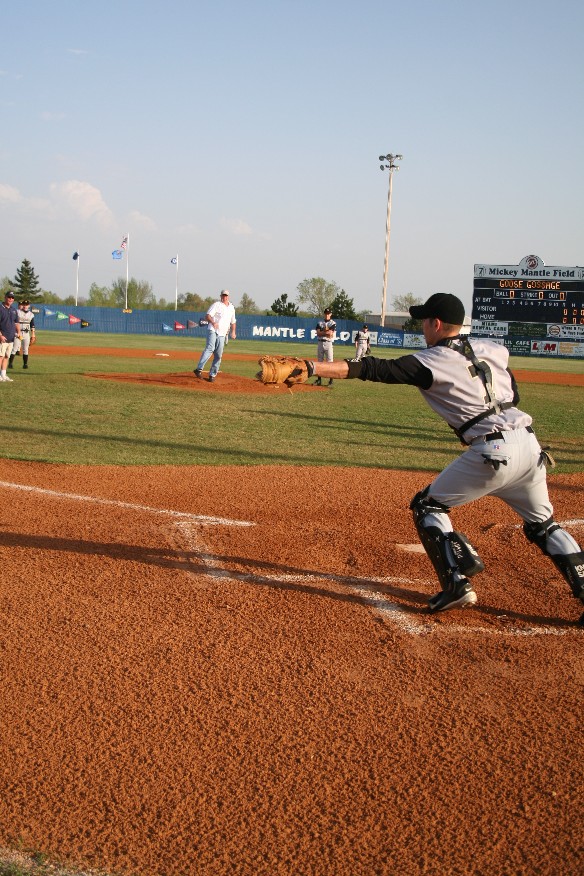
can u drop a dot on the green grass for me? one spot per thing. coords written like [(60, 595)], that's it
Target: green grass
[(56, 413)]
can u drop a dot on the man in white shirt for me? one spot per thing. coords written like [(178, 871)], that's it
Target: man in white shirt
[(220, 321)]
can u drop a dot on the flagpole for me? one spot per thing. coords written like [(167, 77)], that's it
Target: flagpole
[(127, 266), (77, 283), (176, 287)]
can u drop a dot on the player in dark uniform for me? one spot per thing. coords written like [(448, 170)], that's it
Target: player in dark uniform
[(471, 387)]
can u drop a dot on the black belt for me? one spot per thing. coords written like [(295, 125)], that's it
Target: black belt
[(498, 436)]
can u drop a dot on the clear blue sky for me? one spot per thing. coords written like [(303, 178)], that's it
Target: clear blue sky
[(245, 137)]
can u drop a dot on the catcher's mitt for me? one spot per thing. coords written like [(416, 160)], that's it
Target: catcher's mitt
[(283, 369)]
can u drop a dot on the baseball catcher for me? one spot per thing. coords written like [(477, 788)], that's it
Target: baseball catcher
[(472, 388), (284, 369)]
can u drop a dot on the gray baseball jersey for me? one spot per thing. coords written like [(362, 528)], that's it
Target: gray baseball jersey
[(453, 387), (324, 346), (26, 319)]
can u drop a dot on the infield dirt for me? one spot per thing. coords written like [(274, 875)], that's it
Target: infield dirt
[(231, 670)]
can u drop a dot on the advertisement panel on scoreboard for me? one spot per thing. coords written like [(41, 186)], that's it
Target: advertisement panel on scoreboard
[(529, 292)]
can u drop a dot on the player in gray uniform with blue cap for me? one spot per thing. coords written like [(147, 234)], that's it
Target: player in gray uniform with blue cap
[(471, 387)]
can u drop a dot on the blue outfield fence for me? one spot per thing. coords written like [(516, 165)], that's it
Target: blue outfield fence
[(82, 319)]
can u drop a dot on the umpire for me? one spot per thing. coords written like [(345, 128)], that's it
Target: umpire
[(471, 387)]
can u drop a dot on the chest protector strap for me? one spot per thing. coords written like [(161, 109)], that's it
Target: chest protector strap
[(462, 345)]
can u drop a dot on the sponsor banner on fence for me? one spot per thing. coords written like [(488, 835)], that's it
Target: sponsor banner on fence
[(489, 327), (527, 329), (545, 348), (414, 340), (390, 339), (517, 346), (571, 348), (555, 330)]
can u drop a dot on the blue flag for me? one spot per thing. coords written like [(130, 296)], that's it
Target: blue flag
[(174, 261), (166, 328), (117, 254), (75, 256)]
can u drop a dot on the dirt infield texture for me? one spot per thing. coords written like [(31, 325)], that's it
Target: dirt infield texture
[(230, 383), (231, 671)]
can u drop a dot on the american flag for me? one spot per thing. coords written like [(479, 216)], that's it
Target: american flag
[(124, 242)]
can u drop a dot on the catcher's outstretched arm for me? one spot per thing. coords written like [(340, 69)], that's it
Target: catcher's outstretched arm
[(338, 370)]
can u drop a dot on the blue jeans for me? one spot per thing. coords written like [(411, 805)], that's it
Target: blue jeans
[(215, 344)]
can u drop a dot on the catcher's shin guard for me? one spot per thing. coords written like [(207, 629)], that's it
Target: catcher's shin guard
[(567, 557), (452, 555)]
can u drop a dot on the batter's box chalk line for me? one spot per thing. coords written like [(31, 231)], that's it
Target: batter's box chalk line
[(391, 612), (96, 500), (395, 614)]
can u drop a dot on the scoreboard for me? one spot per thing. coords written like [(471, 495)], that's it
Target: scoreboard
[(529, 292)]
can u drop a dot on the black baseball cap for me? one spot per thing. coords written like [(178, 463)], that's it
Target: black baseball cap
[(441, 305), (9, 294), (327, 310)]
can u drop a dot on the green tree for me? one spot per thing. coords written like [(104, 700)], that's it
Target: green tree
[(99, 296), (283, 307), (192, 301), (140, 294), (26, 283), (404, 302), (247, 306), (343, 307), (51, 298), (317, 293), (5, 286)]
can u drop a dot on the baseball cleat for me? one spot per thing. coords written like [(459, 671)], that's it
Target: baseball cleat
[(464, 595), (198, 373)]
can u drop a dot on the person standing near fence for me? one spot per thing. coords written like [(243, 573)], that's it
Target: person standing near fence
[(9, 329), (362, 345), (220, 322), (27, 334)]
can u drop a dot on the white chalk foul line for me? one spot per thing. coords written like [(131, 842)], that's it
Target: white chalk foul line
[(181, 515), (392, 611)]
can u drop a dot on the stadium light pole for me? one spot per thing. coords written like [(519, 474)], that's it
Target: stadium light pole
[(391, 166)]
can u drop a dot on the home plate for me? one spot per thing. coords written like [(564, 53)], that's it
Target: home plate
[(416, 548)]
